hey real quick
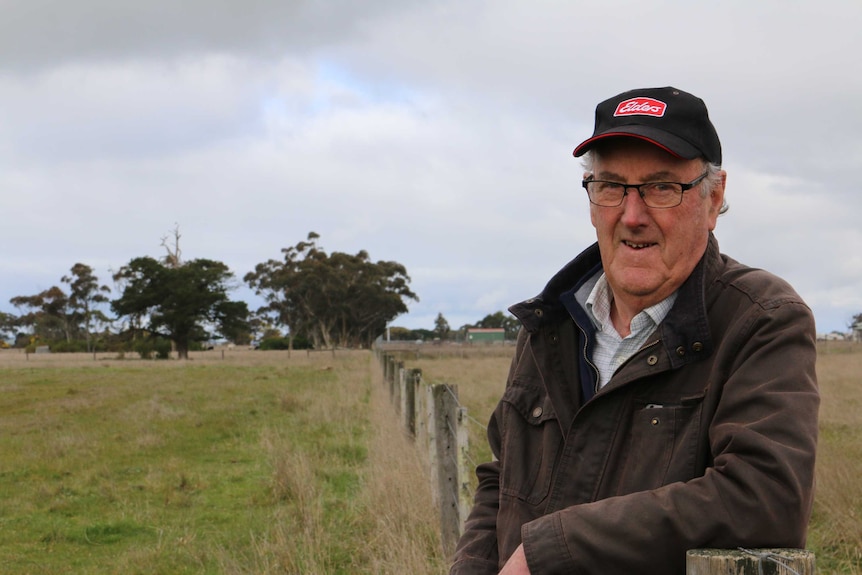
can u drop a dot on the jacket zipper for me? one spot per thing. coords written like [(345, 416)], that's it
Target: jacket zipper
[(587, 359)]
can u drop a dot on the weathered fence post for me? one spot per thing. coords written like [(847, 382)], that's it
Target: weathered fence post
[(421, 416), (447, 454), (391, 376), (749, 562), (465, 498), (384, 364), (431, 437), (397, 386), (406, 376), (408, 400)]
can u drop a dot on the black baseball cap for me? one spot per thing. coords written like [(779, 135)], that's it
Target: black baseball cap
[(673, 120)]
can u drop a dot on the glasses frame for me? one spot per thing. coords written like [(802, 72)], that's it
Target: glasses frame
[(683, 188)]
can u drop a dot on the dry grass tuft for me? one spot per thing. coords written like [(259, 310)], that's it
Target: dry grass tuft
[(405, 532)]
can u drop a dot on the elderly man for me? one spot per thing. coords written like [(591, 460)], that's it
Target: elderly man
[(662, 396)]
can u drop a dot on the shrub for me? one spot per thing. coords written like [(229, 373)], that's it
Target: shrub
[(148, 346), (299, 342), (74, 346)]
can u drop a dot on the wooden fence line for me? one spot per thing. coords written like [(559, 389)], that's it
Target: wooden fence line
[(433, 417), (437, 422)]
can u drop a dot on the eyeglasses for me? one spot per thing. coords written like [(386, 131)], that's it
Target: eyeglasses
[(654, 194)]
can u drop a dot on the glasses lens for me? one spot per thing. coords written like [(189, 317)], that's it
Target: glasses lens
[(605, 193), (662, 194)]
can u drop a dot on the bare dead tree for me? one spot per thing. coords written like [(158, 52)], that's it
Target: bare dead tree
[(172, 260)]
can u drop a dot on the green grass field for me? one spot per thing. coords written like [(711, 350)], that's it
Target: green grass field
[(188, 467), (256, 462)]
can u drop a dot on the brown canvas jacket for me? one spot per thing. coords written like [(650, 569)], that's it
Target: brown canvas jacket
[(704, 438)]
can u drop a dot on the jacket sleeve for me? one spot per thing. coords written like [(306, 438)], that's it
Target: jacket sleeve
[(477, 552), (758, 491)]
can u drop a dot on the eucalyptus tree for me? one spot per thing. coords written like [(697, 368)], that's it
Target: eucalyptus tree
[(85, 296), (441, 327), (180, 300), (48, 314), (8, 326), (54, 315), (335, 299)]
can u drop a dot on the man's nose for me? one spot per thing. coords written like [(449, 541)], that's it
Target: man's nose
[(634, 208)]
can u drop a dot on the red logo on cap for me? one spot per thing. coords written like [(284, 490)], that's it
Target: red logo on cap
[(641, 107)]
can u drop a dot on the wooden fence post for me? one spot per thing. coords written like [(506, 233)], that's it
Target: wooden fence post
[(391, 376), (397, 386), (430, 448), (408, 400), (402, 396), (421, 416), (445, 425), (749, 561), (465, 498)]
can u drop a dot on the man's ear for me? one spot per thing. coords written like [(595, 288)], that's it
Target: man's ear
[(716, 199)]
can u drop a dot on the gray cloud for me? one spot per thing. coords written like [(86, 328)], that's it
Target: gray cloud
[(435, 134), (36, 34)]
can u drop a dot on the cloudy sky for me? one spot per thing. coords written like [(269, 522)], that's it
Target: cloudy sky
[(437, 134)]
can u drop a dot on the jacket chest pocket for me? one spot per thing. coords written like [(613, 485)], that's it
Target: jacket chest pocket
[(662, 445), (531, 429)]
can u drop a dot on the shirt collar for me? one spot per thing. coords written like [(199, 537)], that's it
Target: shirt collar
[(598, 307)]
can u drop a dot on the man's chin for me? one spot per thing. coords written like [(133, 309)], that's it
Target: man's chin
[(639, 286)]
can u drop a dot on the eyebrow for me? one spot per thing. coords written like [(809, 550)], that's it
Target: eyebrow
[(660, 176)]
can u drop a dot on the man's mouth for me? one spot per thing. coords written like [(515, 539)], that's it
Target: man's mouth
[(637, 246)]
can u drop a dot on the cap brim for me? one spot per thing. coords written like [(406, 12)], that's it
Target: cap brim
[(667, 142)]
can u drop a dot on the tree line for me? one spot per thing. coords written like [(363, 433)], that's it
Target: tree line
[(318, 299), (442, 331)]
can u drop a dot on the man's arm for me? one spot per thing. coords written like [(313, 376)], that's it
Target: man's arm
[(477, 550)]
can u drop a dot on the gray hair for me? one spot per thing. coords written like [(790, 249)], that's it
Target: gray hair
[(712, 179)]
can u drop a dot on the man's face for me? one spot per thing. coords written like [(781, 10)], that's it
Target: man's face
[(647, 253)]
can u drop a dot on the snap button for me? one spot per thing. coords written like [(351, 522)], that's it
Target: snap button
[(654, 421), (697, 346), (652, 360), (539, 312), (537, 412), (553, 338), (680, 351)]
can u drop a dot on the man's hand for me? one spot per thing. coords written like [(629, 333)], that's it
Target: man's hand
[(517, 563)]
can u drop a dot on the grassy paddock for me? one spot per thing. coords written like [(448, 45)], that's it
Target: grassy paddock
[(256, 462), (248, 463)]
